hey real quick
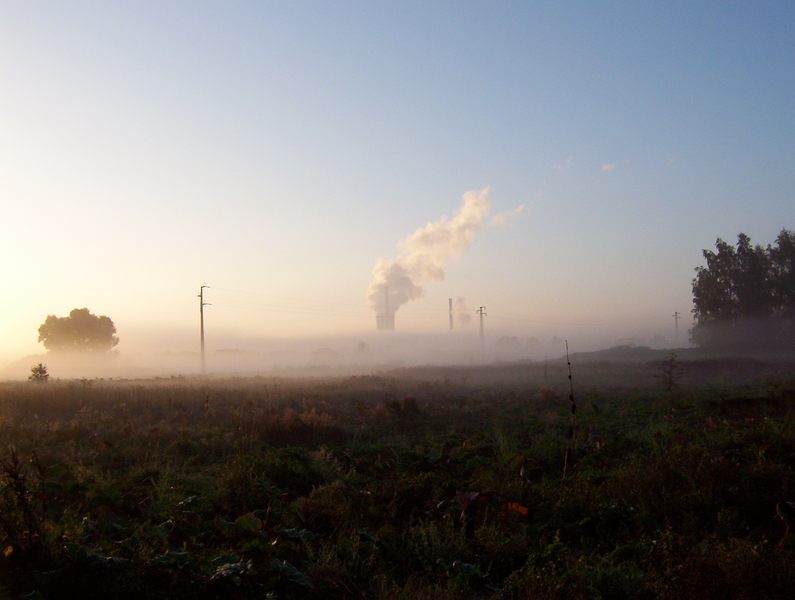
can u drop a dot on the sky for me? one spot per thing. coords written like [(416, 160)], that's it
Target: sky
[(277, 150)]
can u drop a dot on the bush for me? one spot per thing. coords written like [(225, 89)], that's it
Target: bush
[(39, 374)]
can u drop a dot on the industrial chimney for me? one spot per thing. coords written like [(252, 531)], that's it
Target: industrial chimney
[(385, 320)]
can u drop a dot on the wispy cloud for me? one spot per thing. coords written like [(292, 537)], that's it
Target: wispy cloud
[(507, 217), (608, 167), (564, 164)]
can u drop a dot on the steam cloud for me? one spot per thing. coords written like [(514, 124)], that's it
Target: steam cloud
[(424, 255), (507, 217)]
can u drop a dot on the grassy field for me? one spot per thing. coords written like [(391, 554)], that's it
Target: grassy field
[(424, 483)]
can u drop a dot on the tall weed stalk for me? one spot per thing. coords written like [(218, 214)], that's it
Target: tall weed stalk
[(571, 439)]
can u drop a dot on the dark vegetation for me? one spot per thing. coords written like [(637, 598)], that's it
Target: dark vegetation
[(81, 331), (445, 484), (39, 374), (744, 298)]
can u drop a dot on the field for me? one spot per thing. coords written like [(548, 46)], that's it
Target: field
[(423, 483)]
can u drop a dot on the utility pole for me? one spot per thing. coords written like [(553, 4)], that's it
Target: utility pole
[(676, 326), (450, 305), (482, 312), (202, 304)]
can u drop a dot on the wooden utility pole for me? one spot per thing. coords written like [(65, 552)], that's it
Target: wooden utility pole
[(482, 312), (202, 304), (450, 310), (676, 326)]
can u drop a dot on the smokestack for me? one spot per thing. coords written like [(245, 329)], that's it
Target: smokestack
[(385, 321), (450, 308), (423, 258)]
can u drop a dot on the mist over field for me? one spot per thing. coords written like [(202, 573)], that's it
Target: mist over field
[(178, 354)]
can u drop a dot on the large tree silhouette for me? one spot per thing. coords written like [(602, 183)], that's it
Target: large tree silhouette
[(745, 295), (80, 331)]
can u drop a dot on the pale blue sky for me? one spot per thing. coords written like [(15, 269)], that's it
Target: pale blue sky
[(282, 147)]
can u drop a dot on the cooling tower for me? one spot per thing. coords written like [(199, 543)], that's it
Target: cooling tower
[(385, 322)]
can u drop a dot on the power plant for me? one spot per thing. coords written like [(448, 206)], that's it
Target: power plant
[(423, 258), (385, 319)]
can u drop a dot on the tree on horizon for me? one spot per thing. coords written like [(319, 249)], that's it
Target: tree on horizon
[(745, 295), (81, 331)]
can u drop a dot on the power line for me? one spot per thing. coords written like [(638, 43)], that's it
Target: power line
[(410, 311), (269, 295), (293, 309)]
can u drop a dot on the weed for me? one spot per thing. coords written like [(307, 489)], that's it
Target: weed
[(321, 489), (39, 374), (23, 505)]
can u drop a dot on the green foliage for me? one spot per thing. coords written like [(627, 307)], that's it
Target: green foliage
[(128, 490), (745, 296), (669, 369), (22, 507), (81, 331)]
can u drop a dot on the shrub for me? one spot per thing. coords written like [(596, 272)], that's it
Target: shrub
[(39, 374)]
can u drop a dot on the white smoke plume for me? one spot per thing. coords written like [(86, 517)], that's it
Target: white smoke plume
[(507, 217), (425, 253)]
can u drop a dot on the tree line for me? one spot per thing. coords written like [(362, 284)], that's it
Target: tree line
[(744, 297)]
